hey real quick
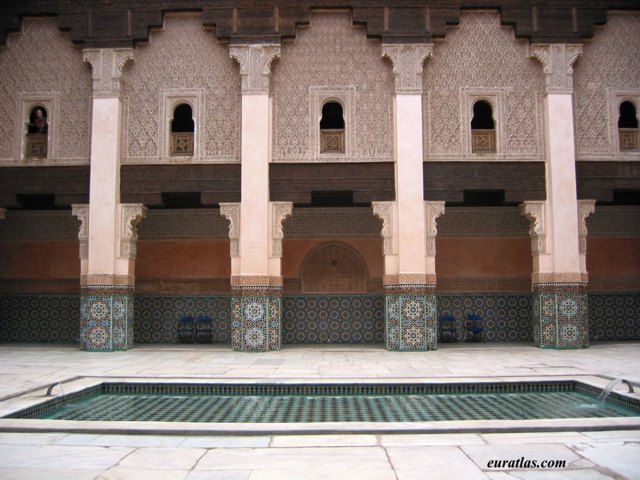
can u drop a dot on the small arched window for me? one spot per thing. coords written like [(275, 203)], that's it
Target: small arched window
[(483, 133), (628, 132), (37, 132), (332, 128), (182, 129)]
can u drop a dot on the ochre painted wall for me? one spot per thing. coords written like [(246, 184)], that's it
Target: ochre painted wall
[(197, 266), (39, 266), (613, 263), (483, 264)]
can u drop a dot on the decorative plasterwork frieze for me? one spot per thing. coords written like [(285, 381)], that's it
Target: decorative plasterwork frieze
[(534, 211), (107, 65), (432, 210), (585, 208), (280, 211), (255, 66), (384, 211), (131, 215), (81, 212), (557, 61), (232, 213), (408, 60)]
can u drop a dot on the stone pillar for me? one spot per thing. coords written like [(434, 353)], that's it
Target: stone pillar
[(256, 280), (108, 232), (410, 299)]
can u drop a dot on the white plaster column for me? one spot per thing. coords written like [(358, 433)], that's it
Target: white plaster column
[(255, 61), (104, 187), (108, 231), (407, 60), (256, 280), (561, 262), (560, 305), (410, 277)]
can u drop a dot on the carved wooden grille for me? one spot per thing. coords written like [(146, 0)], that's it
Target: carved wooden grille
[(37, 145), (332, 141), (182, 143), (483, 141), (629, 138)]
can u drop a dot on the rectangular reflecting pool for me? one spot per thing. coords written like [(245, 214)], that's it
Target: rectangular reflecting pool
[(307, 403)]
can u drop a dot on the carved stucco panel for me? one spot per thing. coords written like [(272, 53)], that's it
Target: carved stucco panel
[(384, 211), (38, 62), (231, 211), (182, 57), (432, 210), (332, 53), (280, 211), (81, 212), (255, 66), (107, 65), (608, 65), (131, 214), (408, 61), (503, 64), (534, 211), (585, 208), (557, 63)]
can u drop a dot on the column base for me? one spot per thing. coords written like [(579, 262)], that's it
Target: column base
[(106, 318), (256, 314), (411, 318), (560, 315)]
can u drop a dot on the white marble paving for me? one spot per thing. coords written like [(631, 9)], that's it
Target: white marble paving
[(590, 455)]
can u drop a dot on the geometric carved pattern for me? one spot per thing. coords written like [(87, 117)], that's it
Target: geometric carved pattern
[(231, 211), (317, 319), (132, 214), (614, 316), (39, 64), (410, 318), (432, 210), (459, 72), (39, 225), (602, 79), (331, 222), (106, 65), (106, 318), (385, 212), (280, 211), (482, 222), (557, 62), (408, 61), (615, 221), (560, 316), (585, 208), (183, 61), (256, 318), (332, 54), (255, 66)]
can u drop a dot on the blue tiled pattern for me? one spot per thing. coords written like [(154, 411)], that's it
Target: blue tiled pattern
[(506, 317), (560, 318), (411, 318), (40, 318), (255, 319), (156, 316), (106, 318), (614, 316), (333, 318)]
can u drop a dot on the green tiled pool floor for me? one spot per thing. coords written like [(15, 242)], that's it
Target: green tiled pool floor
[(337, 408)]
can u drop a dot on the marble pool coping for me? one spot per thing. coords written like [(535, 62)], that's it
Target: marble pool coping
[(33, 397)]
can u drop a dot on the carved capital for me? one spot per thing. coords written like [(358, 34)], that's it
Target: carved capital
[(557, 62), (585, 208), (231, 211), (131, 214), (384, 211), (255, 66), (81, 212), (432, 210), (407, 61), (107, 65), (534, 211), (279, 212)]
